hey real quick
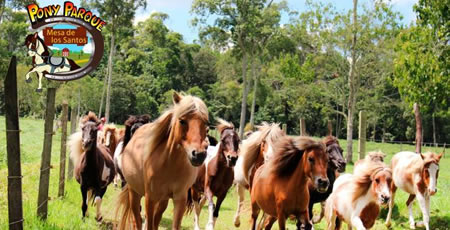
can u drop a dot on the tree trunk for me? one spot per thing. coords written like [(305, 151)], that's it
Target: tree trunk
[(434, 129), (62, 162), (351, 84), (103, 94), (244, 96), (108, 89), (255, 90), (418, 128), (2, 9)]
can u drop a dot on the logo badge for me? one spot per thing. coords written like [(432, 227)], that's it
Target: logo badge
[(67, 43)]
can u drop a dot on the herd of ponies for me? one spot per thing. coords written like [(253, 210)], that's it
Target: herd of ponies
[(173, 157)]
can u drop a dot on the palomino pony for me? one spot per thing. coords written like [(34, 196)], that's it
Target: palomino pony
[(336, 164), (43, 62), (131, 125), (110, 138), (280, 186), (161, 162), (255, 150), (216, 176), (356, 198), (416, 174), (94, 167)]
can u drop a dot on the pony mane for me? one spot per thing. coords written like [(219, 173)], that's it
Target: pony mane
[(364, 176), (109, 127), (76, 147), (329, 140), (90, 117), (375, 155), (289, 152), (167, 127), (222, 125), (250, 147)]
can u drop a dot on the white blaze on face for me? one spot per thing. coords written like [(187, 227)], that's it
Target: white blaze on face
[(108, 139), (269, 153), (432, 170)]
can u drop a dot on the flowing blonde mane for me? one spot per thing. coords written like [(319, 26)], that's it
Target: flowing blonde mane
[(250, 147), (364, 176), (222, 125), (167, 129)]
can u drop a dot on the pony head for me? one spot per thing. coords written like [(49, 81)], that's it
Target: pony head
[(229, 141), (270, 134), (375, 156), (109, 134), (89, 127), (381, 184), (336, 158), (35, 45), (189, 124), (430, 171)]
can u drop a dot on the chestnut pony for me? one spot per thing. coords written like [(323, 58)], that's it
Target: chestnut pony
[(216, 176), (280, 186), (94, 167), (161, 161), (356, 198), (110, 138), (255, 150), (416, 174)]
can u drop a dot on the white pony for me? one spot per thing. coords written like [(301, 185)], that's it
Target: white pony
[(255, 150), (43, 62), (417, 175)]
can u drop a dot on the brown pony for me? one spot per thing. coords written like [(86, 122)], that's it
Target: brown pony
[(216, 176), (280, 186), (110, 138), (94, 167), (160, 162), (255, 150)]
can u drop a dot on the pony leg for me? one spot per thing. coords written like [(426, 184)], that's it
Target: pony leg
[(162, 205), (409, 203), (391, 205), (356, 222), (39, 89), (217, 208), (84, 204), (240, 190), (211, 208), (425, 210), (135, 203), (98, 203), (332, 220), (255, 213), (305, 220), (150, 206), (178, 211), (281, 218), (317, 219), (197, 210), (268, 223)]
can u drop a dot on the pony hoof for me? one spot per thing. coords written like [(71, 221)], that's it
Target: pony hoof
[(28, 80), (412, 226), (38, 90), (99, 219), (420, 224), (387, 224), (237, 223)]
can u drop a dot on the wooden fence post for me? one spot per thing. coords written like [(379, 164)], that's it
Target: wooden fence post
[(73, 129), (15, 212), (46, 155), (362, 135), (302, 127), (330, 128), (284, 127), (62, 162), (418, 128)]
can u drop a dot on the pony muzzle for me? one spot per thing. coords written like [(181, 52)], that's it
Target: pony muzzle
[(432, 192), (322, 184), (197, 158), (231, 160)]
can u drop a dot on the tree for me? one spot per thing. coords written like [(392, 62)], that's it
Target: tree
[(119, 14)]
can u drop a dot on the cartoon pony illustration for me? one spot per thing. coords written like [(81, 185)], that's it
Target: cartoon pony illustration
[(43, 62)]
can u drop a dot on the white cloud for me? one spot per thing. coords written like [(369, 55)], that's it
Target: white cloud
[(53, 48), (88, 48)]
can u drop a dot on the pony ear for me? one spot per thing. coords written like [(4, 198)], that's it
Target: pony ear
[(176, 97), (422, 156), (35, 35), (440, 155)]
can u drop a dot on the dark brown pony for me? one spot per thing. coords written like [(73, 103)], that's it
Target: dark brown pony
[(336, 165), (94, 167), (131, 125), (216, 176), (280, 186)]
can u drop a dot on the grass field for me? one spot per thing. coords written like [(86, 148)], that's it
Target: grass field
[(66, 213)]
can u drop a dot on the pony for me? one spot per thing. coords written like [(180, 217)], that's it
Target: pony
[(94, 167), (161, 162), (356, 198), (280, 186), (417, 175), (131, 125), (42, 60), (255, 150), (110, 138), (336, 165), (216, 176)]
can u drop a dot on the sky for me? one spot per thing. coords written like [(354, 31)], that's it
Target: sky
[(180, 17)]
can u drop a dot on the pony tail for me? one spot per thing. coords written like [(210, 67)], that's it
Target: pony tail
[(124, 206), (76, 147)]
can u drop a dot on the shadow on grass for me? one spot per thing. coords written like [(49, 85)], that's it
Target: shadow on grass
[(167, 223)]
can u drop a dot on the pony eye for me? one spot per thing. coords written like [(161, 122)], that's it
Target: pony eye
[(182, 122), (311, 159), (377, 180)]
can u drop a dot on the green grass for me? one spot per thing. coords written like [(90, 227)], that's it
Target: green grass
[(66, 213)]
